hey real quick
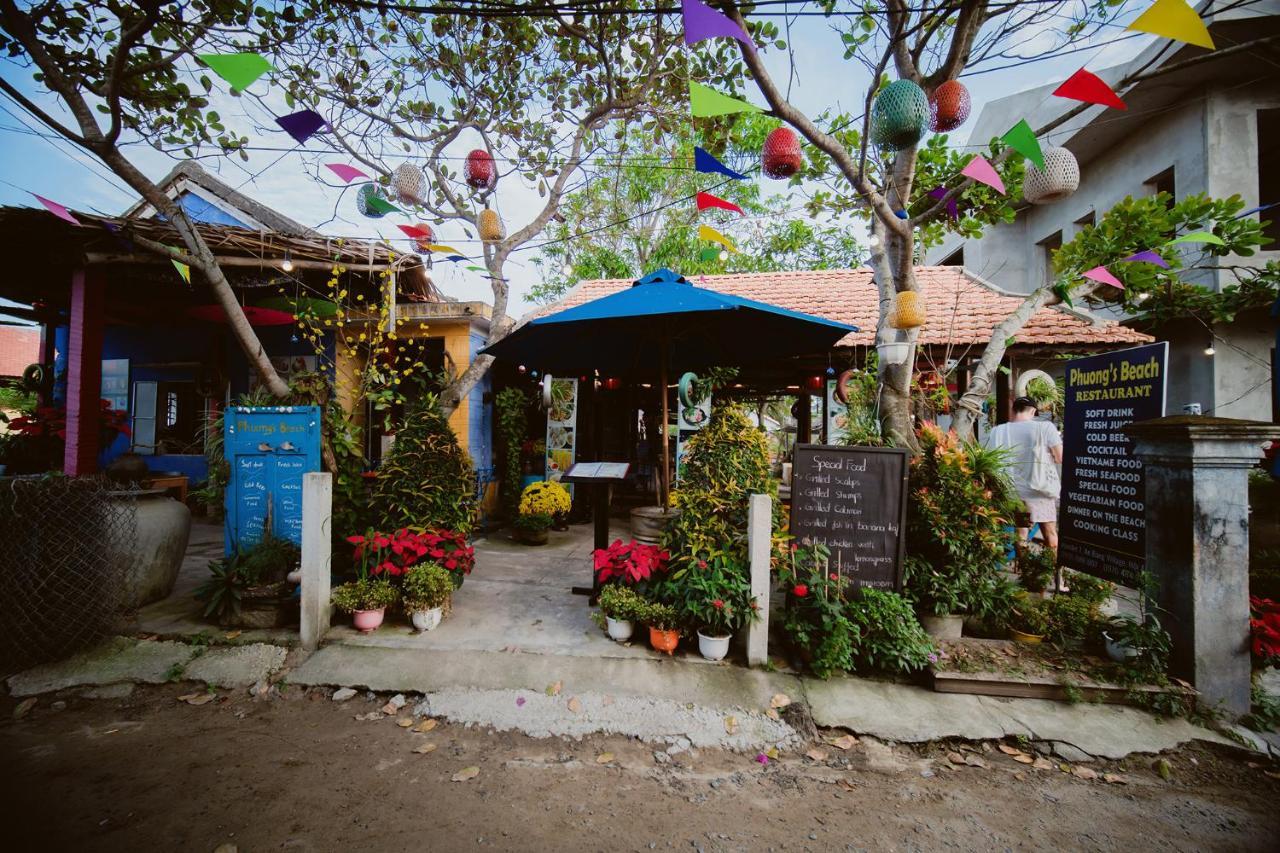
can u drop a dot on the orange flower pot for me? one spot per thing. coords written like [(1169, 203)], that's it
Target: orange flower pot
[(663, 641)]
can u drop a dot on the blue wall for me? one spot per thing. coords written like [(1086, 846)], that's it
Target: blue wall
[(480, 418)]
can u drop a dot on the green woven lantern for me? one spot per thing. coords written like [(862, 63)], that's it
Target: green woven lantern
[(899, 115)]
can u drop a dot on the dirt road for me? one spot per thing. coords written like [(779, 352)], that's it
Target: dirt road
[(299, 772)]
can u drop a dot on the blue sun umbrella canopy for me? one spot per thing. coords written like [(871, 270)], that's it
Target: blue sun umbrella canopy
[(628, 332)]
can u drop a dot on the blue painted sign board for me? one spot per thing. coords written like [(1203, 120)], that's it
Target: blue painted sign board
[(268, 448)]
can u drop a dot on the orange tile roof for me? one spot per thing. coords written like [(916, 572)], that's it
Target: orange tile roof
[(19, 346), (962, 308)]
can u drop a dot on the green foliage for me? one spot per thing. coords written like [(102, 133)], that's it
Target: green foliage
[(510, 424), (1150, 640), (957, 513), (223, 590), (1264, 713), (714, 595), (1036, 567), (265, 562), (622, 603), (1030, 616), (426, 586), (367, 594), (14, 399), (663, 617), (1069, 618), (427, 480), (532, 521), (1093, 590), (889, 638)]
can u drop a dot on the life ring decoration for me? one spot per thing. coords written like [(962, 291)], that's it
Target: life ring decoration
[(34, 377), (842, 387), (685, 389), (546, 391), (1026, 378)]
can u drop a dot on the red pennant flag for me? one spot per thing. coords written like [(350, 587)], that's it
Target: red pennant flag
[(706, 200), (415, 231), (1090, 88)]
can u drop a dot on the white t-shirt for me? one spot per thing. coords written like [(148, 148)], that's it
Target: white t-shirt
[(1020, 437)]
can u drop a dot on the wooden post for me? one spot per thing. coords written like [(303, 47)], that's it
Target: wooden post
[(84, 372), (759, 543), (664, 490), (317, 521)]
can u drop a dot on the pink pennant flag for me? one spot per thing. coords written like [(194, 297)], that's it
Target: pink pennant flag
[(1101, 274), (57, 209), (1148, 256), (347, 173), (983, 172)]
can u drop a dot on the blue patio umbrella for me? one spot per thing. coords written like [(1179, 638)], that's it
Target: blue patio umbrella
[(663, 320)]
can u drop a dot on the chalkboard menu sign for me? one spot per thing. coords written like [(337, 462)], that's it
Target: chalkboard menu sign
[(269, 449), (854, 501)]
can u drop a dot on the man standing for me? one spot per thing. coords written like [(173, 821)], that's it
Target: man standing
[(1035, 452)]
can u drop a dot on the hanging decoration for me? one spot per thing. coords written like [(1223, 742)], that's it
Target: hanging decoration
[(255, 315), (842, 387), (490, 226), (684, 389), (711, 235), (908, 311), (345, 172), (444, 250), (56, 209), (1059, 178), (301, 125), (949, 106), (474, 268), (479, 171), (939, 193), (1174, 19), (183, 270), (705, 102), (1199, 237), (703, 22), (1090, 88), (1147, 256), (983, 172), (1022, 138), (457, 259), (707, 164), (238, 69), (409, 184), (709, 254), (781, 156), (421, 235), (371, 202), (899, 115), (1101, 274), (706, 200)]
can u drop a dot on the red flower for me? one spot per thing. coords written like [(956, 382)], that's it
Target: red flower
[(718, 604), (800, 590), (356, 540), (833, 576), (702, 564), (451, 564)]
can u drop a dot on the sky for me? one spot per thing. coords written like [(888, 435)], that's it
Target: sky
[(286, 180)]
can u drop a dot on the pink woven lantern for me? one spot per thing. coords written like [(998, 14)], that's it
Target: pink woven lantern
[(426, 237), (949, 107), (480, 170), (781, 156)]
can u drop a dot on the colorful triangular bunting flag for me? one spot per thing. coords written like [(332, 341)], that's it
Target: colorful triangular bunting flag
[(703, 22), (183, 270), (706, 232), (238, 69), (1147, 256), (705, 102), (415, 231), (447, 250), (939, 193), (1090, 88), (1199, 237), (457, 258), (302, 124), (706, 200), (983, 172), (708, 254), (347, 173), (706, 163), (1022, 138), (56, 209), (1101, 274), (379, 204), (1174, 19)]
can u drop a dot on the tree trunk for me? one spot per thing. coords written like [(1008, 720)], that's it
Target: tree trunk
[(894, 380)]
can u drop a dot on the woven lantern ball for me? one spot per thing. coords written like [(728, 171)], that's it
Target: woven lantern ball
[(427, 239), (366, 192), (899, 115), (409, 184), (1059, 178), (781, 156), (949, 106), (480, 171), (908, 311), (490, 225)]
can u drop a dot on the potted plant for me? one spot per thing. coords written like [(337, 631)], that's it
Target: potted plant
[(1030, 621), (664, 627), (620, 608), (716, 597), (366, 600), (938, 595), (1036, 567), (631, 563), (540, 503), (1130, 639), (531, 528), (250, 588), (426, 590)]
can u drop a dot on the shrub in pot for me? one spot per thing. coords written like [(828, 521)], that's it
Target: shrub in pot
[(1036, 567), (424, 594), (630, 563), (620, 608), (427, 480), (366, 600), (714, 596), (664, 627), (249, 589), (1029, 620), (540, 503), (531, 528)]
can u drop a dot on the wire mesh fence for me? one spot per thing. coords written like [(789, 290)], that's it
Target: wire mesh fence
[(66, 543)]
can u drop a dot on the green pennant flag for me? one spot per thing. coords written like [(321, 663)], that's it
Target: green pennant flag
[(379, 204), (708, 254), (474, 268), (1199, 237), (705, 101), (183, 270), (238, 69), (1022, 138)]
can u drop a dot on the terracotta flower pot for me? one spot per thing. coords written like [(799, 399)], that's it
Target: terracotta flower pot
[(532, 537), (1024, 638), (663, 641), (367, 621)]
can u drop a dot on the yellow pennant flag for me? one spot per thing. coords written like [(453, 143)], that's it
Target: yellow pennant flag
[(1174, 19), (710, 234), (449, 250)]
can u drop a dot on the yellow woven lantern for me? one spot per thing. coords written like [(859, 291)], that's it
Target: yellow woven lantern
[(908, 311), (490, 225)]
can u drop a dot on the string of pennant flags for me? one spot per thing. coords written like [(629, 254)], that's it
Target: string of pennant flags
[(1172, 19)]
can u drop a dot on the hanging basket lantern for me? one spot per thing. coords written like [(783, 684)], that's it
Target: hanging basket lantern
[(899, 115), (813, 384), (949, 106), (480, 171), (409, 184), (490, 225), (367, 192), (1059, 178), (781, 156), (908, 311), (425, 238)]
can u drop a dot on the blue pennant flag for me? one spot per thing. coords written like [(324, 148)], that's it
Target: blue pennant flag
[(704, 162)]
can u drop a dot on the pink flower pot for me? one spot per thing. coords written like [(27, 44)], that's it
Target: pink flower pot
[(367, 621)]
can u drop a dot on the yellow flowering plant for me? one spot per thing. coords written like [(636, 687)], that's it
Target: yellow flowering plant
[(545, 498)]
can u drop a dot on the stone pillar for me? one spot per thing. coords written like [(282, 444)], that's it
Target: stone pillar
[(759, 544), (317, 519), (1197, 502)]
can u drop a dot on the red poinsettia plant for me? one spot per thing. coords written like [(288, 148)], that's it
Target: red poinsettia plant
[(1264, 629), (629, 563), (393, 554)]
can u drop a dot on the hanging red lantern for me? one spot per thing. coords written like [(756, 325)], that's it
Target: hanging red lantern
[(480, 171), (426, 237), (781, 156), (611, 383), (813, 384), (949, 106)]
